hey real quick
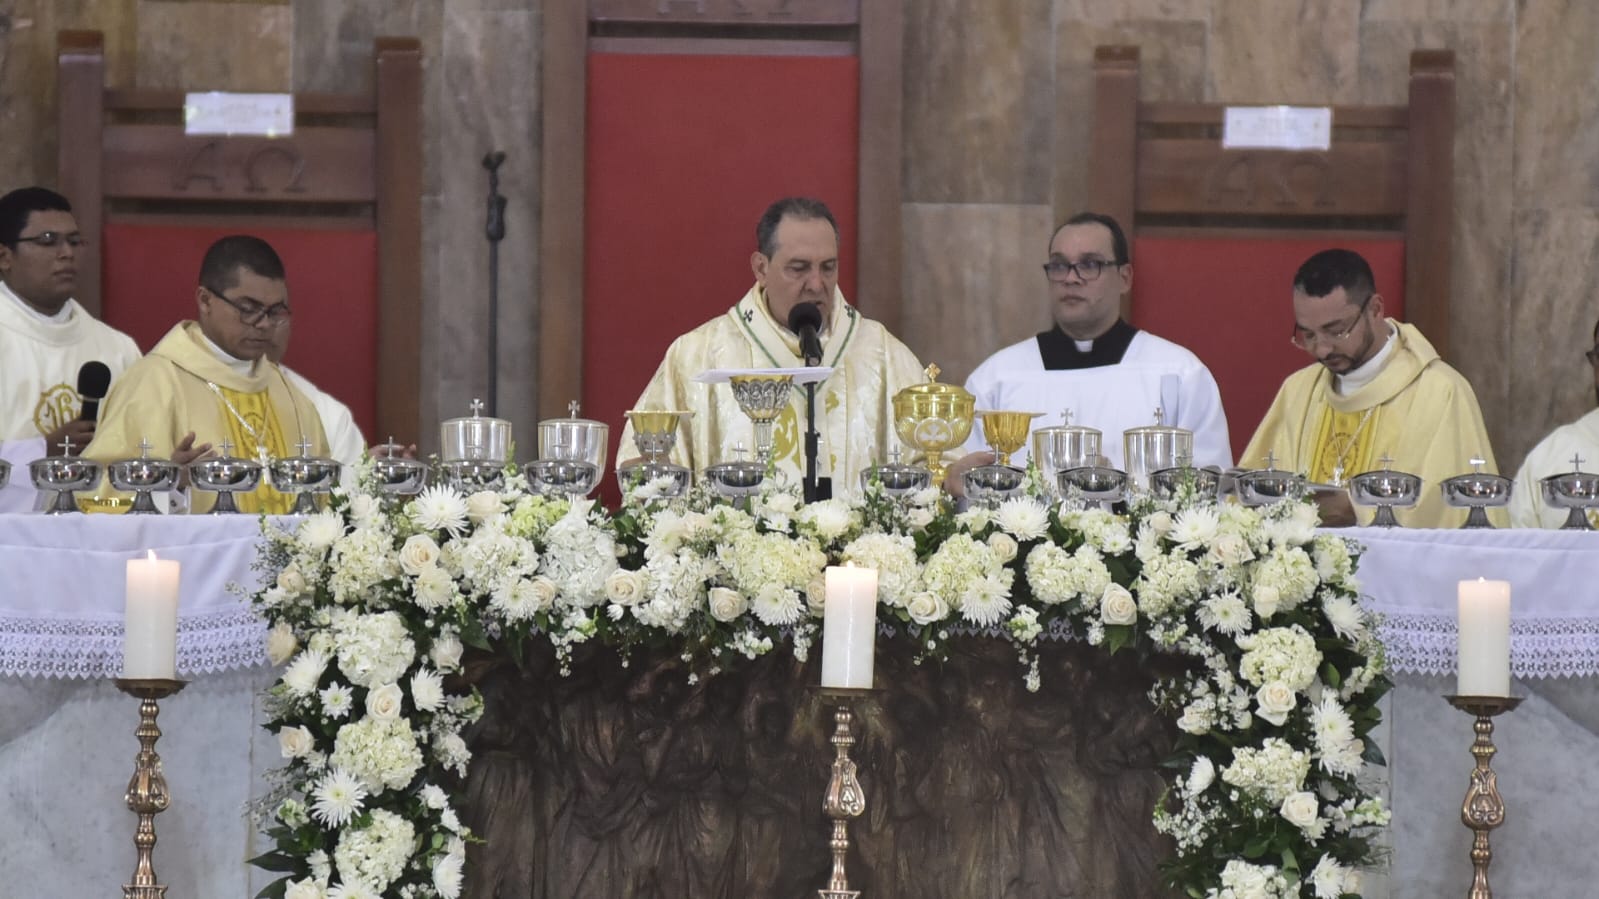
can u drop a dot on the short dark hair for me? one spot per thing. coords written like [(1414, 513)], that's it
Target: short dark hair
[(801, 208), (1329, 270), (15, 207), (220, 267), (1118, 238)]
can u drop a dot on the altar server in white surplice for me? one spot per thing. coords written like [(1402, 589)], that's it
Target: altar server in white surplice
[(1109, 374), (1553, 455), (45, 337)]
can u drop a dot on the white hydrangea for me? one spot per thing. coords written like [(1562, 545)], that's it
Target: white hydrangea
[(828, 520), (382, 754), (767, 567), (1274, 771), (360, 562), (372, 650), (375, 855), (1286, 654), (894, 557)]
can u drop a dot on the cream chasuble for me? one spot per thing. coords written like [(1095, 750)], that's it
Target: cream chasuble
[(1418, 411), (182, 386), (854, 407), (39, 362), (1553, 455)]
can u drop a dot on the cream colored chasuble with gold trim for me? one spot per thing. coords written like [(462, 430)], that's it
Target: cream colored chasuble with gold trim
[(182, 386), (854, 406)]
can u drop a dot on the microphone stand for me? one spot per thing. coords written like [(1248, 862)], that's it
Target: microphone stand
[(813, 488), (494, 230)]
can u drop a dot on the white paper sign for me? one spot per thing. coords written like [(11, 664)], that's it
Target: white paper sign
[(220, 112), (1277, 128)]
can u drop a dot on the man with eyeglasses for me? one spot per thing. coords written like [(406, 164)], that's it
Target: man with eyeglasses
[(45, 338), (210, 380), (1108, 374), (1377, 391), (1554, 455)]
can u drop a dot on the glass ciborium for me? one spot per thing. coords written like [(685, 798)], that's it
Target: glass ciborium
[(1478, 491), (1006, 432), (655, 434), (225, 475), (1065, 446), (933, 418), (582, 438), (63, 476), (763, 398), (143, 477), (306, 476), (1576, 491)]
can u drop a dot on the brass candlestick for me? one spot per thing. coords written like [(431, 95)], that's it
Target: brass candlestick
[(147, 791), (844, 798), (1483, 809)]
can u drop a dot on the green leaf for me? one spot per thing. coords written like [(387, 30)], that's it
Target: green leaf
[(1290, 862), (1374, 755), (1257, 846), (1117, 636), (276, 861), (472, 634), (1330, 676), (274, 890)]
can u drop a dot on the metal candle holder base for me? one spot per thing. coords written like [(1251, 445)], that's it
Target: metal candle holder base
[(844, 798), (147, 791), (1483, 809)]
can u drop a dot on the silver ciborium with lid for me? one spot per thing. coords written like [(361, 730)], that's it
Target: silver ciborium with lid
[(63, 476), (580, 438), (305, 475), (1478, 491), (225, 475), (144, 476), (1264, 486), (1386, 489), (397, 475), (1063, 446), (473, 451), (896, 478), (654, 435), (1151, 448), (1576, 491)]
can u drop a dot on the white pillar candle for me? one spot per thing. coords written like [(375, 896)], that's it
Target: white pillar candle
[(150, 623), (1484, 633), (849, 627)]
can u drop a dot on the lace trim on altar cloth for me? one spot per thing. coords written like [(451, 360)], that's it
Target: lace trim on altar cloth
[(65, 648), (1539, 647)]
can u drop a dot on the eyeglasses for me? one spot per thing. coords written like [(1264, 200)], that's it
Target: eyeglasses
[(1088, 269), (252, 313), (1304, 337), (51, 239)]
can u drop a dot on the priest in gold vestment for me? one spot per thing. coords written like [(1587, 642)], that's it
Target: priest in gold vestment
[(796, 261), (1378, 390), (209, 381)]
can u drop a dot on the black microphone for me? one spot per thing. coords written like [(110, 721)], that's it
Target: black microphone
[(94, 380), (805, 319)]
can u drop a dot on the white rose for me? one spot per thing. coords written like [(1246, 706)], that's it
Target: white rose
[(446, 653), (1117, 606), (1003, 546), (1300, 809), (625, 587), (726, 604), (281, 644), (1274, 701), (919, 517), (816, 595), (926, 608), (418, 554), (483, 505), (363, 507), (1193, 722), (1160, 522), (295, 742), (291, 581), (1267, 600), (544, 592), (1231, 549), (383, 703), (305, 889)]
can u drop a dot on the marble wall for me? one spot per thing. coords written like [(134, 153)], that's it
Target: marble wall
[(996, 96)]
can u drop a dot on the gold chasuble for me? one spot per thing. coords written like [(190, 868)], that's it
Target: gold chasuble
[(854, 406), (182, 386), (1418, 411)]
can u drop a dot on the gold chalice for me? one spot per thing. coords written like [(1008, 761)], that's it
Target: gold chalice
[(1006, 432), (933, 418), (763, 398)]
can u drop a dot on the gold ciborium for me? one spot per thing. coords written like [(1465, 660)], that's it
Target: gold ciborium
[(1006, 432), (933, 418), (763, 398)]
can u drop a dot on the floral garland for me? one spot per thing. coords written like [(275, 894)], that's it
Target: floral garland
[(371, 607)]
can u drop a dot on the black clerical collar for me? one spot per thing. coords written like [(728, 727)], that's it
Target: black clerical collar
[(1060, 351)]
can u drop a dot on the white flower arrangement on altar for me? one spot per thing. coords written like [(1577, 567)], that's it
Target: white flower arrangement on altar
[(371, 608)]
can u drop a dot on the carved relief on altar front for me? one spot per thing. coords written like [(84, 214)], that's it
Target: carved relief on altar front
[(1272, 181)]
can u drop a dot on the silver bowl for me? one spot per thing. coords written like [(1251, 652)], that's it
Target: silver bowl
[(1264, 486), (1095, 483), (573, 477), (143, 477), (64, 476), (1386, 490), (225, 475), (736, 479), (631, 475), (1477, 491), (897, 479), (1204, 481), (472, 475), (305, 476), (399, 476), (992, 484), (1576, 492)]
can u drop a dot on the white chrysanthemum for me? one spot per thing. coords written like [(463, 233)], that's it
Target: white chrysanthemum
[(1195, 526), (337, 701), (777, 605), (354, 890), (447, 875), (427, 690), (338, 797), (987, 601), (434, 589), (1023, 517), (829, 519), (1345, 616), (1330, 880), (521, 599), (304, 672), (653, 489), (440, 508), (1201, 775), (321, 530), (1226, 614)]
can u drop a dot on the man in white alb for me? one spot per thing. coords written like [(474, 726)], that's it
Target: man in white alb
[(1555, 454), (1109, 374), (45, 337)]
